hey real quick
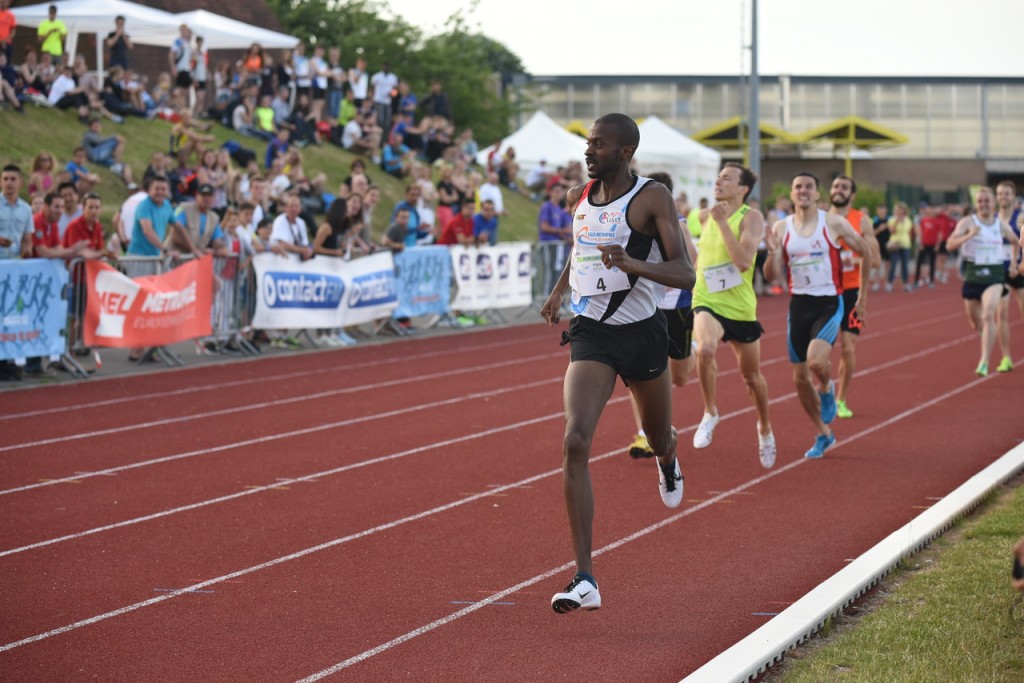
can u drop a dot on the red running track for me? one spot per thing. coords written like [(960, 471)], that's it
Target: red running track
[(395, 511)]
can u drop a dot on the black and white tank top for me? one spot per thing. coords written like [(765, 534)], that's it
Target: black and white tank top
[(610, 295)]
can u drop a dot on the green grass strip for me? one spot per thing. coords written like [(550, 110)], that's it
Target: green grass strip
[(947, 614)]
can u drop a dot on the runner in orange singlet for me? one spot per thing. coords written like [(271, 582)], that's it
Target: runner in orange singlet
[(855, 297)]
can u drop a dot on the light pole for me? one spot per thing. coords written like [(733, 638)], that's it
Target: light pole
[(754, 127)]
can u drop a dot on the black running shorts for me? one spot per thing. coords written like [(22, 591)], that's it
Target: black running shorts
[(742, 331), (636, 351), (680, 329), (851, 321)]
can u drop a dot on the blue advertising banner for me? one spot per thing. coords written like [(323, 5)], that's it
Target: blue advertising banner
[(33, 309), (424, 277)]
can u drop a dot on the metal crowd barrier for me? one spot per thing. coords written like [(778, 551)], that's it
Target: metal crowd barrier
[(548, 261), (229, 305)]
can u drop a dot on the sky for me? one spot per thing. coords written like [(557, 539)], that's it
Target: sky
[(706, 37)]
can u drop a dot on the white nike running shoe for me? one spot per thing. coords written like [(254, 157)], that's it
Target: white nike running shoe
[(705, 430), (580, 593), (670, 483), (766, 448)]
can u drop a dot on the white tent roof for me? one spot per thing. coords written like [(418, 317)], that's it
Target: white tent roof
[(540, 138), (218, 32), (693, 166), (148, 26), (96, 16)]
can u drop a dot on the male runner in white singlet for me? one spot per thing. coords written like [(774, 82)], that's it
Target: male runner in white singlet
[(807, 243), (625, 242)]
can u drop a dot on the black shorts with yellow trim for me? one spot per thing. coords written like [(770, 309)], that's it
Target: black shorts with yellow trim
[(680, 329)]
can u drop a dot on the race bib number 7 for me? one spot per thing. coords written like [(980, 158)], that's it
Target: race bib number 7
[(722, 277)]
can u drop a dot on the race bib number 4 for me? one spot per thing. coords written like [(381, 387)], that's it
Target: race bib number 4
[(722, 277), (592, 278)]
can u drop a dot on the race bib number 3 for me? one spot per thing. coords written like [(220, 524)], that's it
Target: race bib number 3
[(809, 271), (722, 277)]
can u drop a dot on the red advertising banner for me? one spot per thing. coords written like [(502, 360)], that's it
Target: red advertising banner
[(156, 310)]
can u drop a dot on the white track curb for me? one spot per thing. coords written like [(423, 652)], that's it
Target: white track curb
[(766, 645)]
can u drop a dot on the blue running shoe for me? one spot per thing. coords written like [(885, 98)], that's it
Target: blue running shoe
[(828, 404), (821, 444)]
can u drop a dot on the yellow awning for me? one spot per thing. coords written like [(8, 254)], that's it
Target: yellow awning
[(853, 131), (734, 133)]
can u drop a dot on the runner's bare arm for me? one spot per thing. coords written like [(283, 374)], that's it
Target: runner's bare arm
[(655, 207), (551, 310), (965, 230), (742, 251), (840, 229), (773, 239)]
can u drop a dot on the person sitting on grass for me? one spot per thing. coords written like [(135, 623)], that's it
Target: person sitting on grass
[(107, 150)]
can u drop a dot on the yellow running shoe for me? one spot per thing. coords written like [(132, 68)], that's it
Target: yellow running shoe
[(1005, 365), (842, 410), (981, 370), (640, 448)]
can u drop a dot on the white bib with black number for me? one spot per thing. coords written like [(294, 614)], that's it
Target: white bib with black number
[(722, 277), (593, 278)]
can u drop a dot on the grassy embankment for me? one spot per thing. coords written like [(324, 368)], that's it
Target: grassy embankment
[(59, 132)]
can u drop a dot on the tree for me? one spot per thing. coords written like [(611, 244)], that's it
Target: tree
[(473, 69)]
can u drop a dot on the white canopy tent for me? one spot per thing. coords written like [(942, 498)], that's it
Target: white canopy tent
[(540, 138), (97, 16), (692, 166), (218, 32)]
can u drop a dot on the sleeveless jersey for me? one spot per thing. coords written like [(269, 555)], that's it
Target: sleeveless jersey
[(814, 265), (674, 298), (610, 295), (983, 253), (850, 260), (721, 286)]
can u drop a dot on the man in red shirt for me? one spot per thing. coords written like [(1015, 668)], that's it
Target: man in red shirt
[(928, 232), (7, 25), (87, 229), (460, 228), (947, 225), (46, 242)]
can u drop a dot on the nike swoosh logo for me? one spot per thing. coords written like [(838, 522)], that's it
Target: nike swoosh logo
[(583, 595)]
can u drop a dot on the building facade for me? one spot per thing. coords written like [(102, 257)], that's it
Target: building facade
[(973, 126)]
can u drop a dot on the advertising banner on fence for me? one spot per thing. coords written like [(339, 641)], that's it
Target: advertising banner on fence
[(492, 277), (324, 292), (424, 277), (155, 310), (33, 310)]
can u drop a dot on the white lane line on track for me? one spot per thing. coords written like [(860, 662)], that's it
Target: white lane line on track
[(306, 478), (384, 647), (463, 501), (267, 378), (53, 481), (331, 370), (284, 435), (277, 484), (276, 402), (336, 392)]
